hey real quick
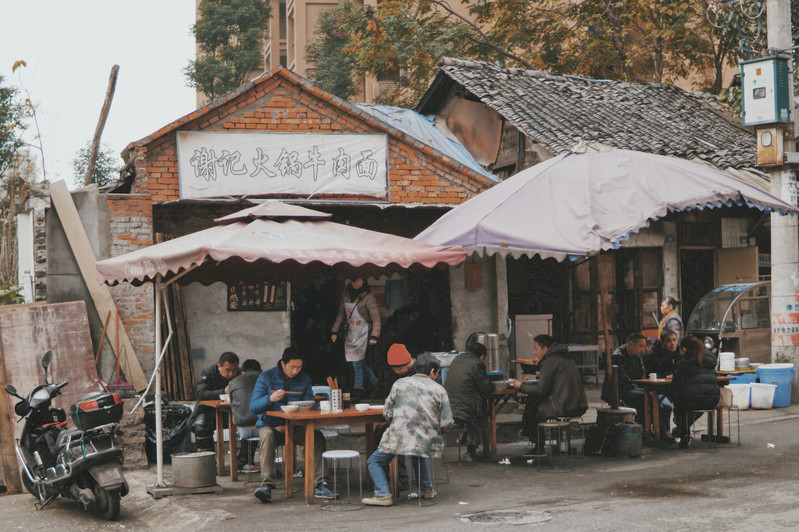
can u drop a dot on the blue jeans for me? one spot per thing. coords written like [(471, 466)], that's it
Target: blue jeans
[(379, 460), (635, 399), (359, 367)]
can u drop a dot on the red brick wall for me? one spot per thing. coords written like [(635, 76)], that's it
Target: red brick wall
[(131, 229), (416, 175)]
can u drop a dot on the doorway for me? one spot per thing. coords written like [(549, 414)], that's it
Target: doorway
[(696, 278)]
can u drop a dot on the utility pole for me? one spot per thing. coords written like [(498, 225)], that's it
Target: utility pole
[(784, 234)]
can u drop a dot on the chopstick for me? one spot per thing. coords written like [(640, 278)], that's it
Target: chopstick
[(330, 383), (297, 393)]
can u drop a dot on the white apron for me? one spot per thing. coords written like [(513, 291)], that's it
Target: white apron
[(357, 334)]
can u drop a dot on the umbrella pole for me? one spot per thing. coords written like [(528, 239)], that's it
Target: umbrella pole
[(159, 435)]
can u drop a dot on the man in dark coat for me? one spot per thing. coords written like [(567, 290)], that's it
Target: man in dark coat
[(213, 382), (240, 395), (631, 366), (559, 391), (664, 355), (467, 386)]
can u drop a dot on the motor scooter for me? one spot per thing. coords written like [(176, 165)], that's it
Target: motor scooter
[(82, 463)]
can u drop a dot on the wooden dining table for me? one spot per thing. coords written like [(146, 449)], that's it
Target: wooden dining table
[(494, 403), (312, 419), (222, 409), (652, 390)]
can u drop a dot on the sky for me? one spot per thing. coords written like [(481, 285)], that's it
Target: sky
[(70, 47)]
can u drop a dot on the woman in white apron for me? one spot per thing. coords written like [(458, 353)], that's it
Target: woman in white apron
[(362, 329)]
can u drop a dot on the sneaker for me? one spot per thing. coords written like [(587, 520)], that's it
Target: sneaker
[(264, 493), (532, 452), (323, 491), (429, 494), (378, 501), (249, 468)]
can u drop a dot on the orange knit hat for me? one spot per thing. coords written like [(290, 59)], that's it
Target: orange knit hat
[(398, 355)]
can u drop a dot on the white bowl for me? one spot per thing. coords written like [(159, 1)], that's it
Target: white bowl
[(362, 407), (289, 408), (302, 405)]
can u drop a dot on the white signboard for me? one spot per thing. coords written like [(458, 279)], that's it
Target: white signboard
[(217, 163)]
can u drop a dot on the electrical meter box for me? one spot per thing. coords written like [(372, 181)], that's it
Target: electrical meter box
[(765, 94)]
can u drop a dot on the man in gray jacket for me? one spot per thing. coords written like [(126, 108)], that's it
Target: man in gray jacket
[(240, 395), (559, 391), (467, 386)]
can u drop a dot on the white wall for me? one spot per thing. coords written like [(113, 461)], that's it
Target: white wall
[(213, 330)]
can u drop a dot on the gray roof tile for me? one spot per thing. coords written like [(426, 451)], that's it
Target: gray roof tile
[(555, 111)]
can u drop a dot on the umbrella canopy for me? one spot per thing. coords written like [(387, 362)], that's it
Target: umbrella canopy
[(256, 247), (579, 204)]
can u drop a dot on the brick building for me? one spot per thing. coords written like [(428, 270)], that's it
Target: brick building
[(421, 182)]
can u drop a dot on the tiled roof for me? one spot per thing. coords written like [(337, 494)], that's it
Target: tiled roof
[(556, 111)]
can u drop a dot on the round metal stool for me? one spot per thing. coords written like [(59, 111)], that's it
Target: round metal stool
[(335, 505), (557, 436)]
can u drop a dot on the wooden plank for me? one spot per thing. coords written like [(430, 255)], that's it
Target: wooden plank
[(8, 458), (26, 333), (100, 294)]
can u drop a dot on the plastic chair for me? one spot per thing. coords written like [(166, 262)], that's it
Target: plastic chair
[(321, 390), (337, 505)]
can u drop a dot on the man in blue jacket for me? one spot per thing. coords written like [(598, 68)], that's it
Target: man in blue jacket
[(268, 395)]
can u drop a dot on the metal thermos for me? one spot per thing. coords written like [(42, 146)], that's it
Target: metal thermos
[(491, 341)]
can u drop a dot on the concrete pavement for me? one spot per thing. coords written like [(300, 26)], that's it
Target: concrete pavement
[(752, 487)]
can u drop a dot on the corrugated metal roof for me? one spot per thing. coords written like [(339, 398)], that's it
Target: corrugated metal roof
[(424, 130)]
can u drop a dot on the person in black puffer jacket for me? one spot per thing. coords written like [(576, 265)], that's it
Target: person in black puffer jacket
[(695, 385)]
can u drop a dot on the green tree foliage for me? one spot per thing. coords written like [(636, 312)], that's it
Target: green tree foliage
[(12, 125), (230, 35), (333, 65), (105, 168), (402, 40), (13, 181), (637, 40)]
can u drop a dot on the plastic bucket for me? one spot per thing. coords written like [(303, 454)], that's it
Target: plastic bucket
[(762, 395), (628, 439), (744, 378), (740, 394), (194, 470), (781, 375)]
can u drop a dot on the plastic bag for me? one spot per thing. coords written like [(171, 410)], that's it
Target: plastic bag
[(174, 424)]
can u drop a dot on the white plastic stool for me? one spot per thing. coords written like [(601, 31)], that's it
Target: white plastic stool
[(335, 505)]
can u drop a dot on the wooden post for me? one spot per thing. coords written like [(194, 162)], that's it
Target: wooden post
[(8, 458), (87, 264), (98, 132)]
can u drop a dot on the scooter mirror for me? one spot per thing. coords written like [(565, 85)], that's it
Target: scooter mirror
[(10, 389), (46, 359)]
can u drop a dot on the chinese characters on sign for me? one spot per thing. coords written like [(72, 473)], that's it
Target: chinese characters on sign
[(256, 296), (228, 163)]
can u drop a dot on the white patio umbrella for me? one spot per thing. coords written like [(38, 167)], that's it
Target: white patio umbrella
[(576, 205)]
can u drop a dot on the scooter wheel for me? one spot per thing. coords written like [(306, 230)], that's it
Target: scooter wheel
[(31, 487), (108, 502)]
